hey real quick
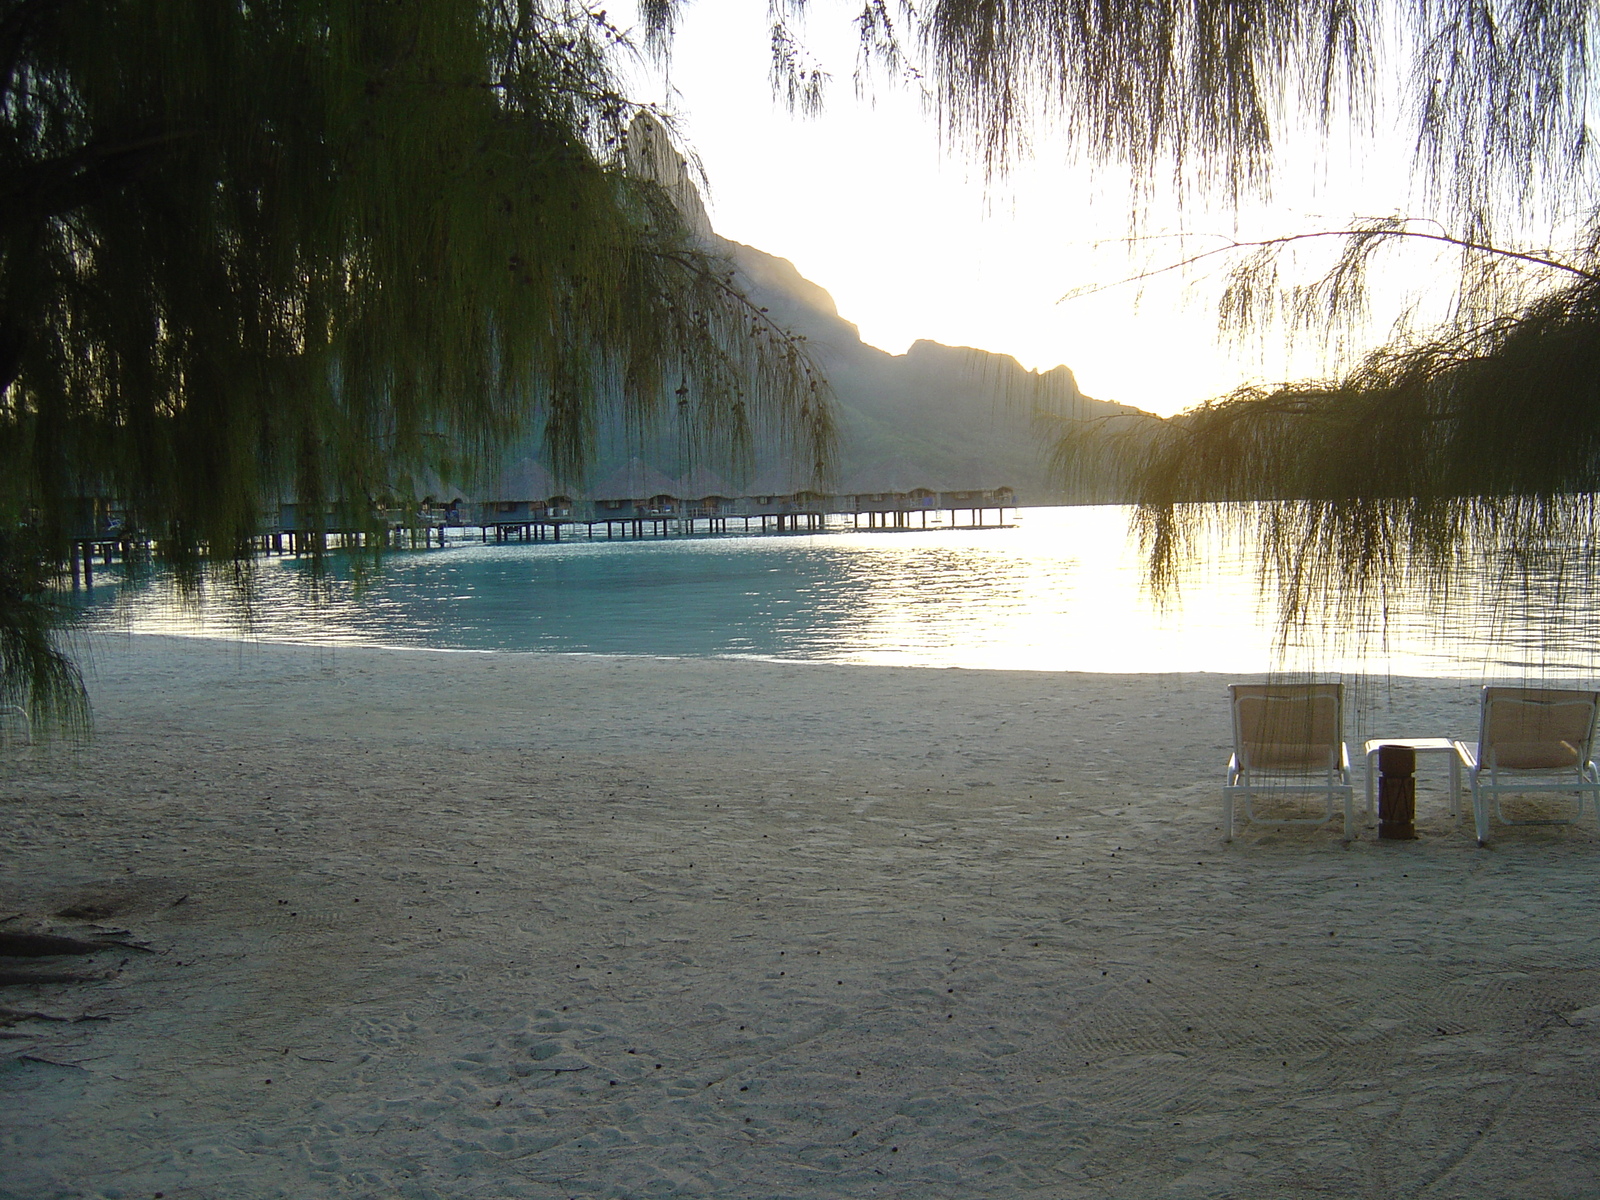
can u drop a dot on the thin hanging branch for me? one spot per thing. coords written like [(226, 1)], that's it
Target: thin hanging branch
[(1365, 232)]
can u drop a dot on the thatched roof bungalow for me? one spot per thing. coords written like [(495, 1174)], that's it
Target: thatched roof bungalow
[(520, 494), (778, 493), (636, 490), (894, 487), (998, 497), (89, 517), (707, 494), (439, 503), (296, 516)]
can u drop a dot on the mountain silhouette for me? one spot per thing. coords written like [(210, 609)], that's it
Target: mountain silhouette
[(941, 417), (960, 416)]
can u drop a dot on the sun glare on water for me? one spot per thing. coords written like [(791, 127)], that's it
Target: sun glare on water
[(1062, 589)]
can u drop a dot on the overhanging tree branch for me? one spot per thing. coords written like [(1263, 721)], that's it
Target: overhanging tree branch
[(1354, 232)]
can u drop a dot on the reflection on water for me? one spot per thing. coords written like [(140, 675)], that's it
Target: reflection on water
[(1060, 591)]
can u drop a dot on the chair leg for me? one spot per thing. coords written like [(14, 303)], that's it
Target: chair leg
[(1227, 815), (1480, 813)]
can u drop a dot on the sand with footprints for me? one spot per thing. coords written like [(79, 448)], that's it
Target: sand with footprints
[(411, 924)]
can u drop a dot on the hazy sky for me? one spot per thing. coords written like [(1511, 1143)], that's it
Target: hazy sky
[(912, 242)]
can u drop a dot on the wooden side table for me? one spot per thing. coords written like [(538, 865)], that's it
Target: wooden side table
[(1422, 746)]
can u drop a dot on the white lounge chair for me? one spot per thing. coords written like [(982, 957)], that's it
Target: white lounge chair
[(1288, 739), (1531, 740)]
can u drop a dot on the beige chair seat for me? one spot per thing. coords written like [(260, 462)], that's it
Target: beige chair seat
[(1288, 741), (1531, 740)]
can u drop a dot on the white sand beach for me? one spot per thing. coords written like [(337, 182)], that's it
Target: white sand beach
[(516, 925)]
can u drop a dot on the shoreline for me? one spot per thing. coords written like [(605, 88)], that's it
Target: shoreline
[(1067, 593), (889, 932), (267, 642)]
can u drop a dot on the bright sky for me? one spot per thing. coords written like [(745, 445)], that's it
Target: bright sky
[(912, 242)]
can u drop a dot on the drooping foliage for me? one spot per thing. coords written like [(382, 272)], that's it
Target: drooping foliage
[(36, 675), (1201, 95), (1456, 466), (1462, 460), (1195, 87), (322, 250)]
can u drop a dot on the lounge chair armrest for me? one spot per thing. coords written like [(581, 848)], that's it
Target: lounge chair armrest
[(1468, 753)]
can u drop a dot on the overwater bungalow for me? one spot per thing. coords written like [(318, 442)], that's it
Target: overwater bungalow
[(781, 502), (296, 526), (297, 517), (978, 501), (422, 507), (707, 497), (524, 499), (898, 496), (889, 497), (444, 509), (982, 497), (632, 496), (95, 525)]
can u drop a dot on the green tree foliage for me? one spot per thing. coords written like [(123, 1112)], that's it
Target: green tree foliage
[(315, 249), (1467, 458), (35, 674), (1470, 454), (1203, 94)]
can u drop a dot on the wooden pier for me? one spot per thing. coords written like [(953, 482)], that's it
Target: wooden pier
[(540, 521)]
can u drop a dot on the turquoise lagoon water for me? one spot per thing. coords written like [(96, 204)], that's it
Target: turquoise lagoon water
[(1061, 589)]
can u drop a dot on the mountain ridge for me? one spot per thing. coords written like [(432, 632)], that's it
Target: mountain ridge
[(966, 416), (950, 417)]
